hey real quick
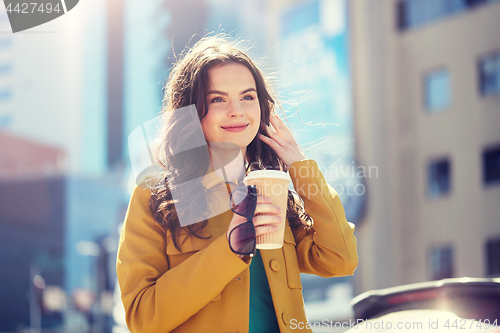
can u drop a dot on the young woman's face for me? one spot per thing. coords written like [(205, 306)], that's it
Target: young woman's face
[(233, 107)]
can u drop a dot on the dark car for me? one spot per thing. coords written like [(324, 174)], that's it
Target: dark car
[(470, 298)]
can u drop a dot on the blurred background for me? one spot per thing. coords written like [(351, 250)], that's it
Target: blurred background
[(397, 100)]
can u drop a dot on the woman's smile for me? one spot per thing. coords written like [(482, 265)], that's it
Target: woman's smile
[(236, 128)]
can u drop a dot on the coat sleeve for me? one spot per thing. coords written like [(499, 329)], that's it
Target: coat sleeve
[(329, 248), (157, 298)]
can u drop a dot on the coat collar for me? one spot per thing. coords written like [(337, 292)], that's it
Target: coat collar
[(217, 194)]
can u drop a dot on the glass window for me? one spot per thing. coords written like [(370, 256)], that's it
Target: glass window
[(491, 166), (413, 13), (472, 3), (493, 257), (401, 15), (441, 263), (437, 90), (439, 178), (435, 9), (489, 74)]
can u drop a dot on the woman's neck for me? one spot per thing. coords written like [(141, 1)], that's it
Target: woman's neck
[(235, 170)]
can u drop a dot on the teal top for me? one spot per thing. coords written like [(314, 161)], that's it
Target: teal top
[(262, 315)]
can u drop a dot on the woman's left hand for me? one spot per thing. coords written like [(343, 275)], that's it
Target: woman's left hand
[(282, 142)]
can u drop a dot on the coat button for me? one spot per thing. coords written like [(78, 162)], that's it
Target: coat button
[(284, 317), (275, 265)]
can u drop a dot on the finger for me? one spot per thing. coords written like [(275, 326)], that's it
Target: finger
[(261, 230), (273, 134), (261, 220), (281, 128), (262, 199), (277, 123), (270, 142), (267, 208)]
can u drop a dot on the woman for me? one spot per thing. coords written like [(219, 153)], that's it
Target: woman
[(187, 279)]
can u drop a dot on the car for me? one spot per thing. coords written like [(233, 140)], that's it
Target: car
[(455, 304)]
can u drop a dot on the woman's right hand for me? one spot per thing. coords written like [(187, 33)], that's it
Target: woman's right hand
[(264, 224)]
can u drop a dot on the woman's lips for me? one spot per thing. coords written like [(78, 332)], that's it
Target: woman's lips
[(235, 129)]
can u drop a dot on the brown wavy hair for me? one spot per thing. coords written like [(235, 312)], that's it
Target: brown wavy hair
[(187, 84)]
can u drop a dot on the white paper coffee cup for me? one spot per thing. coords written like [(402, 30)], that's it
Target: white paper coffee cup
[(272, 184)]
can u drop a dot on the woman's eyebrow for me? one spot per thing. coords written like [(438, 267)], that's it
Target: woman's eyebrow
[(247, 90), (218, 92)]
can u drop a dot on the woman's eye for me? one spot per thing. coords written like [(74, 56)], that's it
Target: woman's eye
[(216, 100), (248, 98)]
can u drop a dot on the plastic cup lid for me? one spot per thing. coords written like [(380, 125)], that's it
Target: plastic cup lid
[(267, 174)]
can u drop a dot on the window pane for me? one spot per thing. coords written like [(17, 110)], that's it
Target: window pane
[(439, 182), (402, 14), (437, 90), (441, 263), (413, 13), (490, 74), (472, 3), (493, 257), (491, 166), (431, 9)]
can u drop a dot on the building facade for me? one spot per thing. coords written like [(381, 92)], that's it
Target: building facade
[(426, 89), (62, 161)]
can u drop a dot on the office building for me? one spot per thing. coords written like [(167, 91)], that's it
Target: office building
[(426, 91)]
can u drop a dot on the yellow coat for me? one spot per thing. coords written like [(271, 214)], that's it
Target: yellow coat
[(205, 287)]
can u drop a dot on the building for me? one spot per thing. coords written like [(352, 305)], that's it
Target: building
[(426, 86), (21, 158), (6, 79), (62, 159), (32, 244), (55, 238)]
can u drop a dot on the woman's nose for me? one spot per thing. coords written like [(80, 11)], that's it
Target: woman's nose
[(235, 109)]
